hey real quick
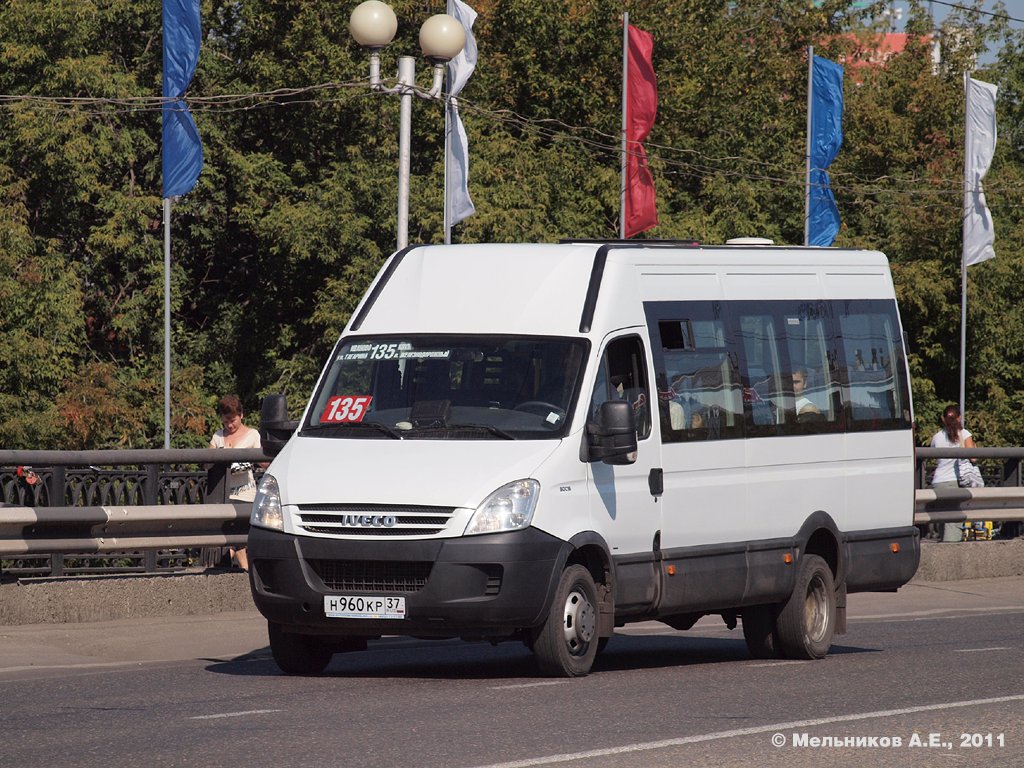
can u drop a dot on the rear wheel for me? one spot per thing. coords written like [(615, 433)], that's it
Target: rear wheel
[(298, 654), (807, 621), (567, 642)]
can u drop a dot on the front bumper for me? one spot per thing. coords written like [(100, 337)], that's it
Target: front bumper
[(474, 586)]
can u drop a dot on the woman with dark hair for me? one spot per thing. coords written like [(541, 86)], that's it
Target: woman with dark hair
[(235, 434), (947, 471)]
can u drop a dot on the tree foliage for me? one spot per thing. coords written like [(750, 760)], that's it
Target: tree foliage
[(294, 211)]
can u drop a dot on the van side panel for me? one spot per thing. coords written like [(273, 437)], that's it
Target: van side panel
[(729, 338)]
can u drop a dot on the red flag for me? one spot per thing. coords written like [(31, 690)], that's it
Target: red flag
[(641, 109)]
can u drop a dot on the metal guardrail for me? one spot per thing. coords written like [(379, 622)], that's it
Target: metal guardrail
[(133, 510), (82, 530), (216, 522), (27, 531), (956, 505)]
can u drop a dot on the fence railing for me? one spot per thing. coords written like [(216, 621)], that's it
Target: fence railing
[(73, 512), (137, 510), (999, 466)]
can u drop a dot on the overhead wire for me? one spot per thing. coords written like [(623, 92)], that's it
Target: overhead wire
[(969, 9), (675, 161)]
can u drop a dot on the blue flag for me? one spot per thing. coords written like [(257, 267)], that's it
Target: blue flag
[(825, 139), (182, 149)]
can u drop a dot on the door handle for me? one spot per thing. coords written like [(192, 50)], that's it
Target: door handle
[(656, 481)]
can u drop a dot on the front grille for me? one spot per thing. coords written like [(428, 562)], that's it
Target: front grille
[(373, 520), (372, 575)]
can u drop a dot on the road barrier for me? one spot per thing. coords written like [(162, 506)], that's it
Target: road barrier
[(88, 530), (26, 531), (40, 530)]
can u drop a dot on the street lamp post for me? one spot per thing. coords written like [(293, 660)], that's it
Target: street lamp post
[(373, 25)]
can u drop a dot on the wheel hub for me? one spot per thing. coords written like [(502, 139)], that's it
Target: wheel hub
[(579, 621)]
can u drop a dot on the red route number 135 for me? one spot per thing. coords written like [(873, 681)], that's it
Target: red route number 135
[(343, 408)]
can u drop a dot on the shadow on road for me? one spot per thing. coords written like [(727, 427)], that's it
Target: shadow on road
[(459, 660)]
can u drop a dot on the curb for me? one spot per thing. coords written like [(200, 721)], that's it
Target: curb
[(963, 560), (108, 598), (203, 593)]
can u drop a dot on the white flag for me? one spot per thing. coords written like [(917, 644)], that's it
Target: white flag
[(980, 145), (457, 202)]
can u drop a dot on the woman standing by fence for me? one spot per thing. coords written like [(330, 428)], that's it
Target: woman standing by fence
[(241, 480), (948, 472)]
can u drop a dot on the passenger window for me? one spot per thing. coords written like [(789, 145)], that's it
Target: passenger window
[(764, 386), (622, 375), (700, 397), (872, 351), (812, 396)]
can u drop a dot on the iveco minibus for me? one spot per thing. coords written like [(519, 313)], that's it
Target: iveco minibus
[(544, 442)]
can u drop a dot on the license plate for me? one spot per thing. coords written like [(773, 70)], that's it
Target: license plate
[(350, 607)]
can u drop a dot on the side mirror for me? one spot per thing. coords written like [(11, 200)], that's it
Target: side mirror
[(612, 438), (275, 426)]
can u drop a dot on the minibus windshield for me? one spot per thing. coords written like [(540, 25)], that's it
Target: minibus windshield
[(448, 388)]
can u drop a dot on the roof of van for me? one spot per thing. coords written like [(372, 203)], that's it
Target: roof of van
[(574, 288)]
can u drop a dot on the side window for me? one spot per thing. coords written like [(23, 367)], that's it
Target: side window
[(765, 386), (699, 394), (622, 375), (812, 395), (871, 368)]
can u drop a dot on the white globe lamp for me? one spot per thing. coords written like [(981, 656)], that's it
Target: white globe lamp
[(442, 37), (373, 24)]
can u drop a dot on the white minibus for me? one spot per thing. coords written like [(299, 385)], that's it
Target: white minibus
[(544, 442)]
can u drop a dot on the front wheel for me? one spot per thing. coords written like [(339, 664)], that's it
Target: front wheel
[(807, 621), (298, 654), (567, 642)]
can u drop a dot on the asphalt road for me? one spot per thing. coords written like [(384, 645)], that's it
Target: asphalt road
[(930, 676)]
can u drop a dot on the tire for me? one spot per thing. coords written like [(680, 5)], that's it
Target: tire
[(807, 621), (759, 631), (298, 654), (567, 642)]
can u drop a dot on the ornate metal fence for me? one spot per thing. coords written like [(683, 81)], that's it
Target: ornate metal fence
[(131, 478)]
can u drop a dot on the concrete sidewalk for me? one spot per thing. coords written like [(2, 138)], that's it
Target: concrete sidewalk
[(33, 649)]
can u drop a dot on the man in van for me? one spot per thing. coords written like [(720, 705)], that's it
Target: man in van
[(803, 405)]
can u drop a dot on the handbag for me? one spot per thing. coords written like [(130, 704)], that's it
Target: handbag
[(968, 475)]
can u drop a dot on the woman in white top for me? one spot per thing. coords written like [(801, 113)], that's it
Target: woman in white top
[(947, 473), (235, 434)]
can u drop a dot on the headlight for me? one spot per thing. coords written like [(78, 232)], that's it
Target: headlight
[(266, 509), (510, 508)]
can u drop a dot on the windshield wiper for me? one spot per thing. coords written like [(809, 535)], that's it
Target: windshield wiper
[(349, 425), (496, 431)]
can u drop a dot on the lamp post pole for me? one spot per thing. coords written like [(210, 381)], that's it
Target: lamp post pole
[(373, 25), (406, 82)]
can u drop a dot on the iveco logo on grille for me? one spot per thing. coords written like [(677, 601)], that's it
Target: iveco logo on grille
[(369, 521)]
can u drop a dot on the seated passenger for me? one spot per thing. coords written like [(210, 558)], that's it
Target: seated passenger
[(803, 405)]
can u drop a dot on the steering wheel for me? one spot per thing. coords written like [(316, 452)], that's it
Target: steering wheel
[(540, 408)]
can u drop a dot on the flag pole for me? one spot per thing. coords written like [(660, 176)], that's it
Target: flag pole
[(167, 322), (807, 168), (447, 171), (963, 252), (447, 150), (625, 95)]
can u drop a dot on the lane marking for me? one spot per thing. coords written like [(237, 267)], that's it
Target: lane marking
[(236, 714), (777, 663), (89, 665), (774, 727), (139, 663), (941, 613), (526, 685), (979, 650)]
